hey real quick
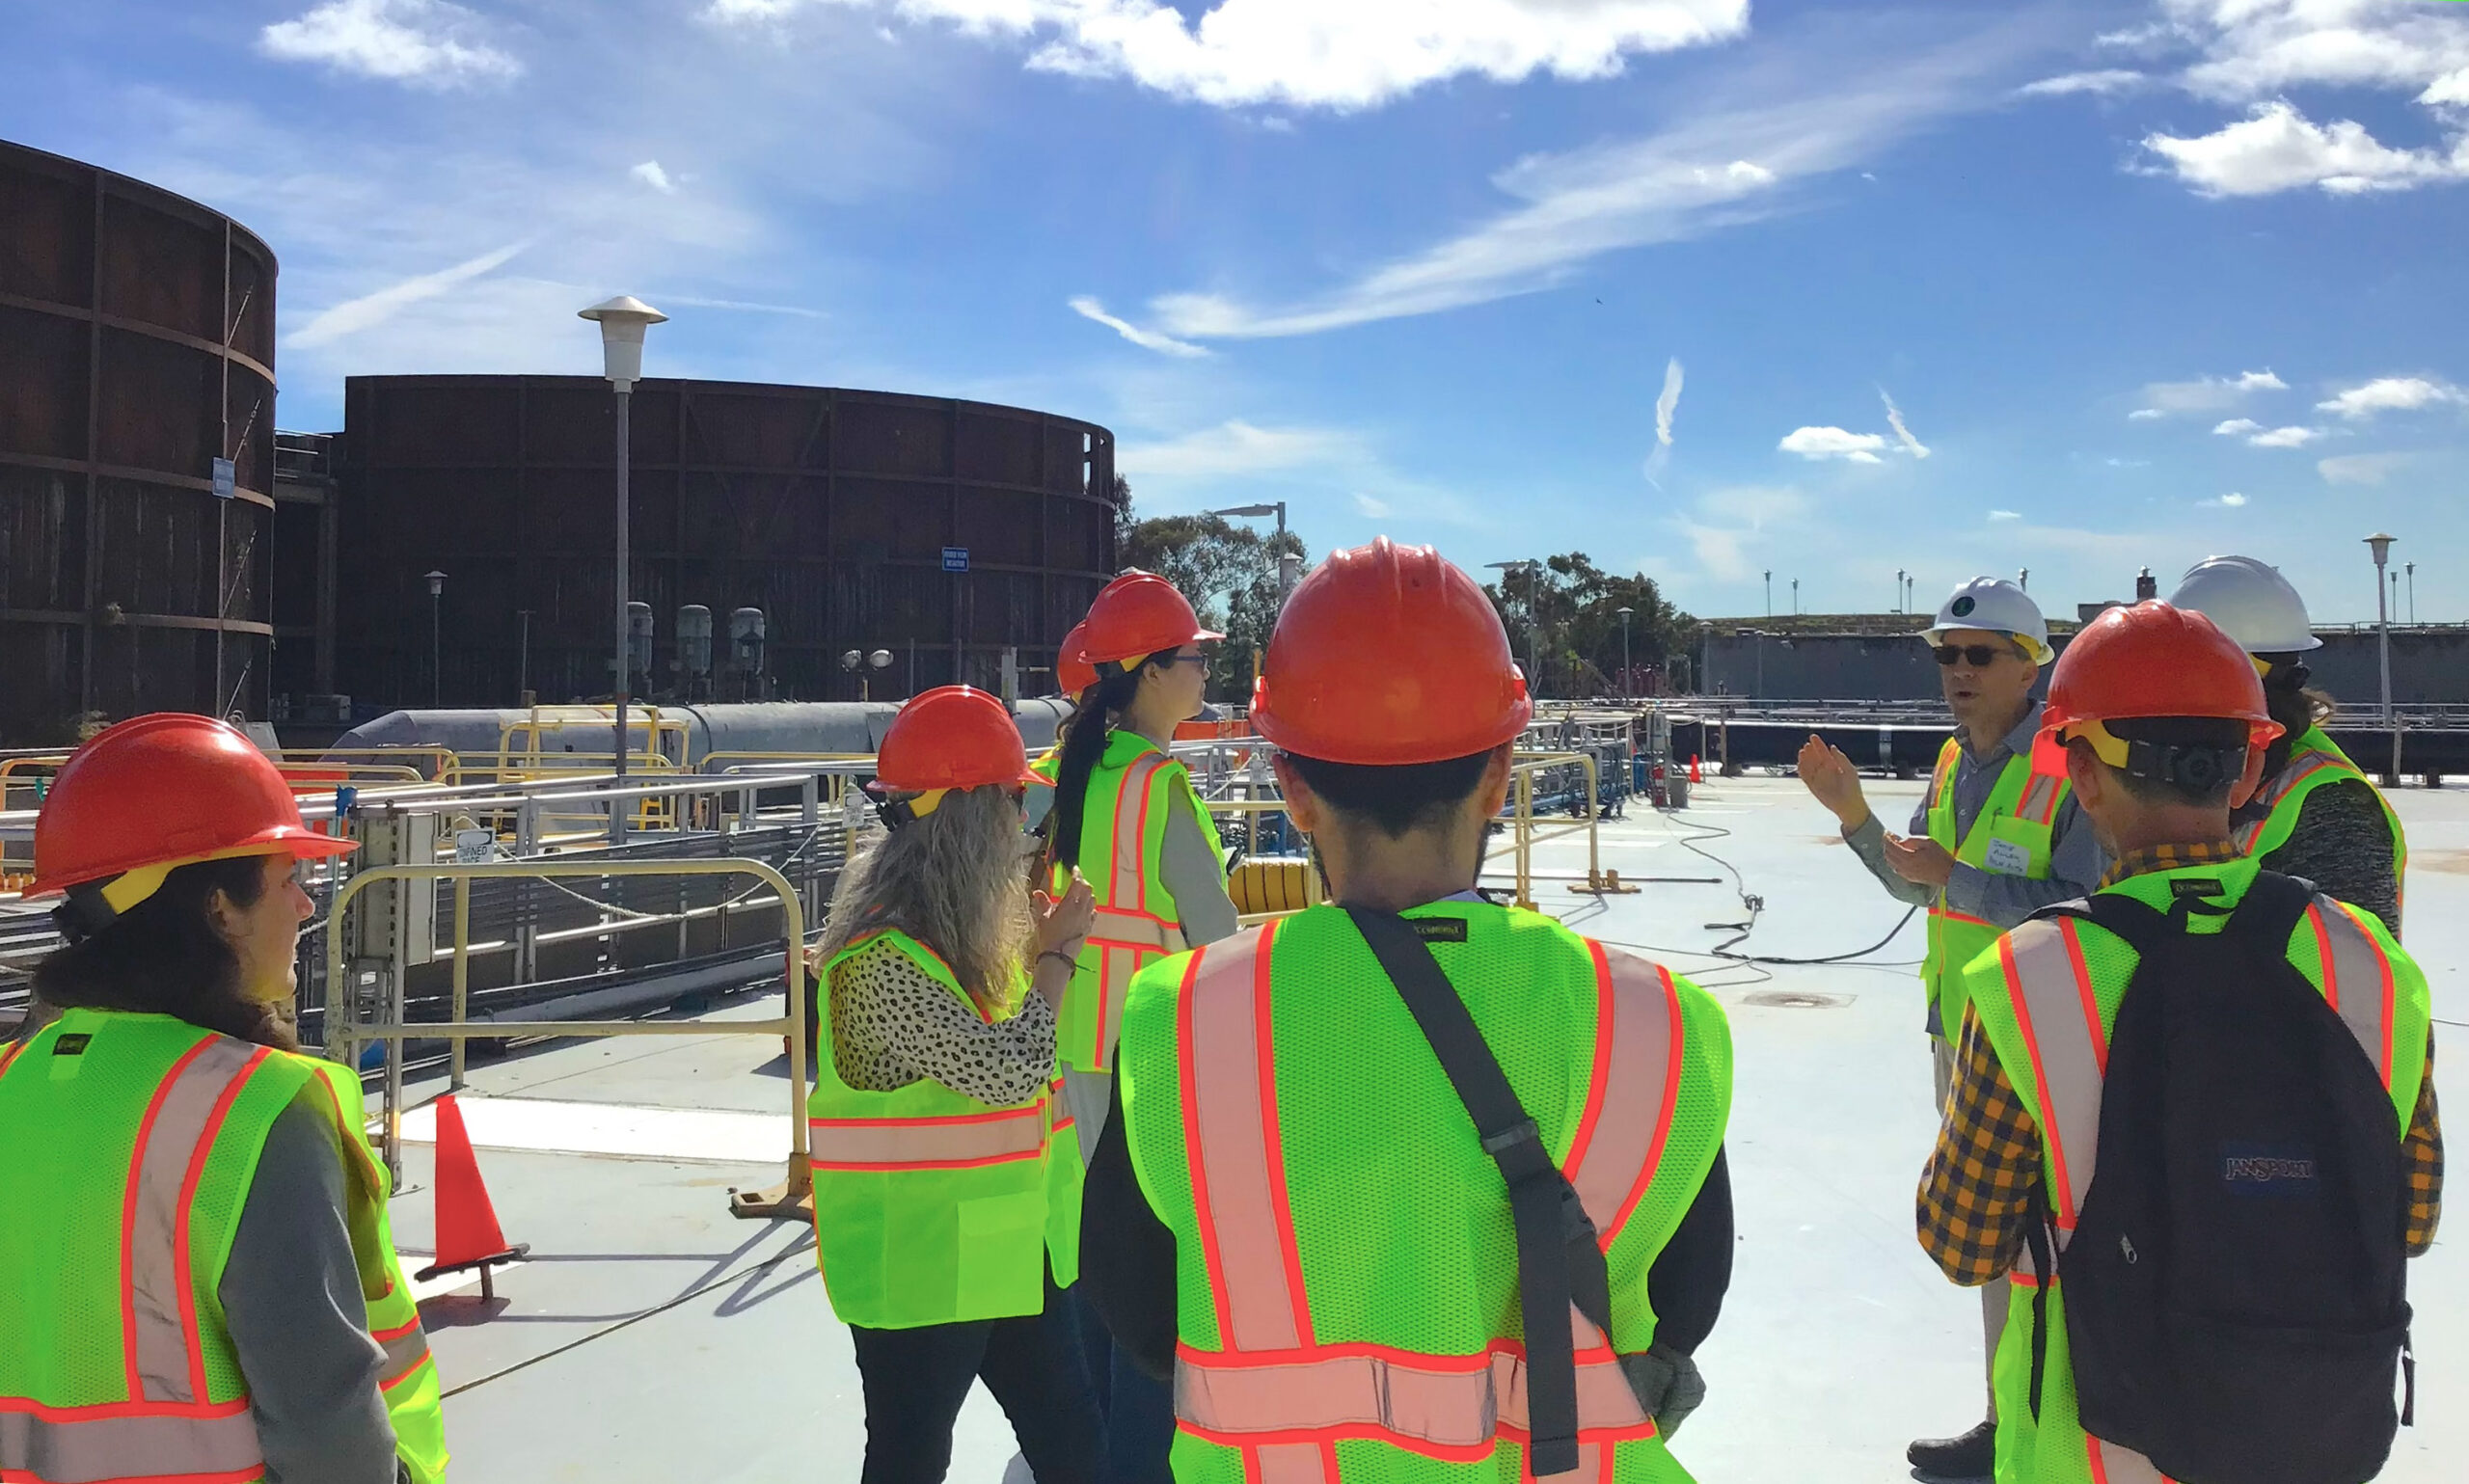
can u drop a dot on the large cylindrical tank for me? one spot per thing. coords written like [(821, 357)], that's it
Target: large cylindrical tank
[(136, 349), (831, 510)]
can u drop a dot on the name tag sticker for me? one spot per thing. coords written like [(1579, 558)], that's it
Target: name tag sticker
[(2007, 858), (1440, 930)]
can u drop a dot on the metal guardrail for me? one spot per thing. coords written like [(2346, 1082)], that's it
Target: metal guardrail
[(345, 1032)]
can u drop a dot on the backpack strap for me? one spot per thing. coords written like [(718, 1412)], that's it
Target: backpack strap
[(2270, 911), (1559, 1261)]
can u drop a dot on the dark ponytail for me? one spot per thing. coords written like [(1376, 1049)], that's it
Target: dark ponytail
[(1083, 745), (164, 956), (2294, 705)]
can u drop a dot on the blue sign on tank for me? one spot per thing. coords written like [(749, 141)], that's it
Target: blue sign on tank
[(956, 558)]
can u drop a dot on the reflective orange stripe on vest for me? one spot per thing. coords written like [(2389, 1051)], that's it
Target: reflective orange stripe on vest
[(2357, 979), (962, 1141), (2278, 789), (1284, 1400), (2039, 803), (1128, 935), (167, 1429), (406, 1352)]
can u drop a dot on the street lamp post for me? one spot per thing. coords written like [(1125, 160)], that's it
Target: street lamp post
[(854, 662), (436, 684), (1796, 597), (1286, 563), (1769, 592), (1534, 571), (2412, 568), (1898, 589), (2381, 546), (1628, 669), (622, 322), (523, 657)]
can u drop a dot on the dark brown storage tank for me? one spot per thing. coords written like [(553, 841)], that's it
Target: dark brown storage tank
[(136, 349), (827, 509)]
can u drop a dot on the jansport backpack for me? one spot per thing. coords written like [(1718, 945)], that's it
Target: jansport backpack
[(2235, 1289)]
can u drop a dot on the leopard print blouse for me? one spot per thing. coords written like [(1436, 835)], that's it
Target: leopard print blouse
[(893, 1024)]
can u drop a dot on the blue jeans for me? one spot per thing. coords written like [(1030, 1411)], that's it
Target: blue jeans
[(1139, 1409)]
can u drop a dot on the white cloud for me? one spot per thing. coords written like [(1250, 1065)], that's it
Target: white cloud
[(2229, 501), (354, 315), (2360, 468), (2104, 82), (1727, 519), (1995, 515), (2284, 437), (650, 174), (1665, 405), (1364, 506), (1311, 53), (2392, 393), (1088, 308), (1232, 448), (427, 42), (2278, 148), (2233, 428), (2203, 394), (1819, 443), (2254, 49), (1902, 434)]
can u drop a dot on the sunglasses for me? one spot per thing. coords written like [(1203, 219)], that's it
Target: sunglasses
[(1200, 660), (1978, 656)]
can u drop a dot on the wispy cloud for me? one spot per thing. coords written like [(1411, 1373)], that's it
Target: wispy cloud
[(2230, 501), (425, 42), (1307, 53), (742, 307), (1817, 445), (354, 315), (1902, 434), (1995, 515), (1233, 447), (2203, 394), (1088, 308), (2106, 81), (2392, 393), (1726, 520), (2360, 468), (2284, 437), (1364, 506), (650, 174), (1666, 405)]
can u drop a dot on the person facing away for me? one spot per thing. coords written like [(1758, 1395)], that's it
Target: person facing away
[(1998, 837), (2316, 815), (202, 1280), (1291, 1213), (2164, 728), (946, 1193)]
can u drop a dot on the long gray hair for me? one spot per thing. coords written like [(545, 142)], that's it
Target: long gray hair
[(957, 882)]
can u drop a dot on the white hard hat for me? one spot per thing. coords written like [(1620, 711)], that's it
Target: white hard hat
[(2250, 601), (1999, 606)]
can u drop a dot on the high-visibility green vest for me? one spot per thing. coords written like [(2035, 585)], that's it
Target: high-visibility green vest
[(2011, 837), (129, 1144), (1346, 1267), (2314, 761), (2031, 992), (930, 1206), (1133, 791)]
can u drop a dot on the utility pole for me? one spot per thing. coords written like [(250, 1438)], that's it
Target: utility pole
[(622, 322), (1898, 589), (1769, 592), (1796, 597), (436, 677), (2412, 568), (1628, 670), (2381, 546)]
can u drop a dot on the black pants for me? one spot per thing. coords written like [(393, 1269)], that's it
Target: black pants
[(915, 1381)]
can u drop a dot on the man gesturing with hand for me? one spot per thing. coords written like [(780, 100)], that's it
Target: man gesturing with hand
[(1994, 840)]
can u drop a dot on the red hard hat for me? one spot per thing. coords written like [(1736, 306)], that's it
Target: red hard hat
[(165, 790), (1074, 674), (953, 737), (1387, 656), (1136, 615), (2153, 659)]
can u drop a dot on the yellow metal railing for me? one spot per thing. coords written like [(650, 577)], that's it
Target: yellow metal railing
[(344, 1032)]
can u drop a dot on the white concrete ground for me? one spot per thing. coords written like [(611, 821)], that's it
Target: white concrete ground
[(654, 1338)]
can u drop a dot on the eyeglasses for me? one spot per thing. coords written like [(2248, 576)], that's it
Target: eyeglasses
[(1978, 656), (1199, 659)]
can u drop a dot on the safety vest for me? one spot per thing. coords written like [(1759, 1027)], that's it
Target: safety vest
[(129, 1144), (931, 1207), (2011, 837), (1344, 1255), (2047, 998), (2314, 761), (1133, 791)]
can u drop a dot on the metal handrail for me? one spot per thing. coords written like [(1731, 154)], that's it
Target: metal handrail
[(344, 1031)]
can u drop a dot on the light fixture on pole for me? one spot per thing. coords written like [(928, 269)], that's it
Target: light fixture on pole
[(2412, 568), (1288, 564), (853, 662), (1898, 589), (2381, 545), (1796, 597), (1534, 571), (1628, 670), (622, 322), (436, 684)]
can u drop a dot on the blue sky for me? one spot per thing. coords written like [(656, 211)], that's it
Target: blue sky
[(2146, 278)]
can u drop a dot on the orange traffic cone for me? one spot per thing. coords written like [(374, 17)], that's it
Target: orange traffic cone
[(467, 1224), (1696, 773)]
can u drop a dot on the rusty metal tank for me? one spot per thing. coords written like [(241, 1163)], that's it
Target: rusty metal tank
[(829, 509), (136, 349)]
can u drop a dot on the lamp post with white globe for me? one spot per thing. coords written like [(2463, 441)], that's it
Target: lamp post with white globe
[(622, 322)]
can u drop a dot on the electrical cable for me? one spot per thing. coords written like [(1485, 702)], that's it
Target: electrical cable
[(1755, 906)]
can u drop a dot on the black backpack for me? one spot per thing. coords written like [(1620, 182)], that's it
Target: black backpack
[(2236, 1288)]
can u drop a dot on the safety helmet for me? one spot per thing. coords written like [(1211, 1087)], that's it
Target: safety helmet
[(154, 793), (1074, 674), (952, 737), (2251, 601), (1136, 615), (1999, 606), (1387, 656), (2153, 659)]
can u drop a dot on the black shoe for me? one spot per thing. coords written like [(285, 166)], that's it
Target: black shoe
[(1971, 1456)]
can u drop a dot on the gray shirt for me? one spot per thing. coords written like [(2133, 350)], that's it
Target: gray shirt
[(291, 1300), (2075, 859)]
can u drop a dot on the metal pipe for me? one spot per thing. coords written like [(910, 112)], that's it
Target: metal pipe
[(462, 975), (624, 679)]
